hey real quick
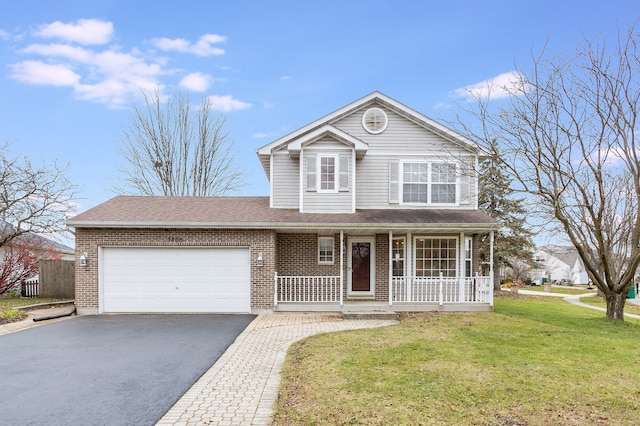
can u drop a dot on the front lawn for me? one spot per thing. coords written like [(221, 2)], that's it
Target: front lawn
[(534, 361), (8, 305)]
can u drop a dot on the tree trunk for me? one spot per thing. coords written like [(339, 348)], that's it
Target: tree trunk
[(496, 275), (615, 305)]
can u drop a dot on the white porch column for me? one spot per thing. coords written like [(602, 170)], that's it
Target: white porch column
[(409, 268), (491, 237), (341, 267), (461, 268), (390, 268), (275, 292)]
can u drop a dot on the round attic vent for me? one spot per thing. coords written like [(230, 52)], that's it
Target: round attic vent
[(374, 120)]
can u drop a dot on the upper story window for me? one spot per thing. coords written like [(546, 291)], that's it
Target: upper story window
[(428, 183), (327, 173)]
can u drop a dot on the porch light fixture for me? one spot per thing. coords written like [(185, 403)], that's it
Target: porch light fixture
[(84, 258), (260, 263)]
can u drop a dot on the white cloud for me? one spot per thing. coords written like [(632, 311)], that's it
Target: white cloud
[(202, 47), (196, 82), (285, 77), (75, 53), (84, 31), (36, 72), (109, 74), (263, 135), (227, 103), (502, 86)]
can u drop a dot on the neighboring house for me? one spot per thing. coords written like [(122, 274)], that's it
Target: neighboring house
[(20, 257), (372, 207), (560, 264)]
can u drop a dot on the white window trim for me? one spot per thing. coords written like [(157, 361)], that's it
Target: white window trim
[(433, 237), (333, 251), (336, 174), (468, 244), (404, 258), (372, 266), (428, 183)]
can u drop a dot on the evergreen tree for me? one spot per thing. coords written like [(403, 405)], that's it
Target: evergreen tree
[(512, 242)]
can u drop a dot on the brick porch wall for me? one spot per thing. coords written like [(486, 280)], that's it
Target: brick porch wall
[(89, 239), (298, 255)]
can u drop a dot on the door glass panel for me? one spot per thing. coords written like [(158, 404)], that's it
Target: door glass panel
[(361, 266)]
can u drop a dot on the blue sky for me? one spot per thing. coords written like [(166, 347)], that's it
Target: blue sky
[(70, 72)]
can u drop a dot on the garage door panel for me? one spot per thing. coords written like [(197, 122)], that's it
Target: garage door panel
[(176, 280)]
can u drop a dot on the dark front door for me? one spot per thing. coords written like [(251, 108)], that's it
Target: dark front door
[(361, 266)]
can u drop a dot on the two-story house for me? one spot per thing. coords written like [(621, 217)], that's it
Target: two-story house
[(371, 207), (561, 264)]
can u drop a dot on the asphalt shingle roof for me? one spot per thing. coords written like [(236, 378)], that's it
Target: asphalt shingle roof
[(254, 212)]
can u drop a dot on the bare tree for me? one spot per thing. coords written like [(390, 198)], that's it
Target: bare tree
[(172, 148), (33, 199), (19, 260), (567, 136)]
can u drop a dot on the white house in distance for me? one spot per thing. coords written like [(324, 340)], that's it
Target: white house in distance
[(559, 263)]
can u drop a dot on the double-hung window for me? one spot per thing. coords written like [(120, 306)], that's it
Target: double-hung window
[(443, 183), (327, 173), (429, 183), (325, 250)]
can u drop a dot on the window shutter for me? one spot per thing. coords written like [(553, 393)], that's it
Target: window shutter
[(344, 172), (310, 165), (466, 171), (394, 177)]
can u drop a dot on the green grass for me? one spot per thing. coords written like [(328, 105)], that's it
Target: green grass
[(8, 305), (534, 361), (15, 302)]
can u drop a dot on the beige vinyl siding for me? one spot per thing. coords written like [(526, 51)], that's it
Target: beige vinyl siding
[(399, 134), (372, 183), (401, 140), (285, 181), (373, 188), (335, 202), (341, 201)]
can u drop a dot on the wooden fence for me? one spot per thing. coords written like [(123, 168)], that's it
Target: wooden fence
[(57, 279)]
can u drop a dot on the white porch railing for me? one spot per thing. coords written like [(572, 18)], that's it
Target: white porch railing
[(307, 289), (441, 289)]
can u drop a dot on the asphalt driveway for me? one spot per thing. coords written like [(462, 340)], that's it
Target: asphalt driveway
[(108, 369)]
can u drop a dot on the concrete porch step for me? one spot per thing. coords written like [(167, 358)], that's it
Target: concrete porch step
[(374, 315)]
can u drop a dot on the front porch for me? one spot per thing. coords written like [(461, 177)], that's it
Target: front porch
[(380, 272), (406, 294)]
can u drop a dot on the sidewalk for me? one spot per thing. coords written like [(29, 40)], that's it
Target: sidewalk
[(574, 299), (242, 386)]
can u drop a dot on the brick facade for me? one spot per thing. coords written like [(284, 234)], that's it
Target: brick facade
[(258, 241), (293, 254)]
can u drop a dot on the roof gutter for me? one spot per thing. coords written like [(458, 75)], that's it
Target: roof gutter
[(289, 225)]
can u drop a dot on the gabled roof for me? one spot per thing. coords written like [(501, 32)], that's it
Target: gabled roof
[(327, 130), (377, 98), (255, 213), (35, 239), (565, 254)]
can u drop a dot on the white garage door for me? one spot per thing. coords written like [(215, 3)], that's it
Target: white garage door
[(175, 280)]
